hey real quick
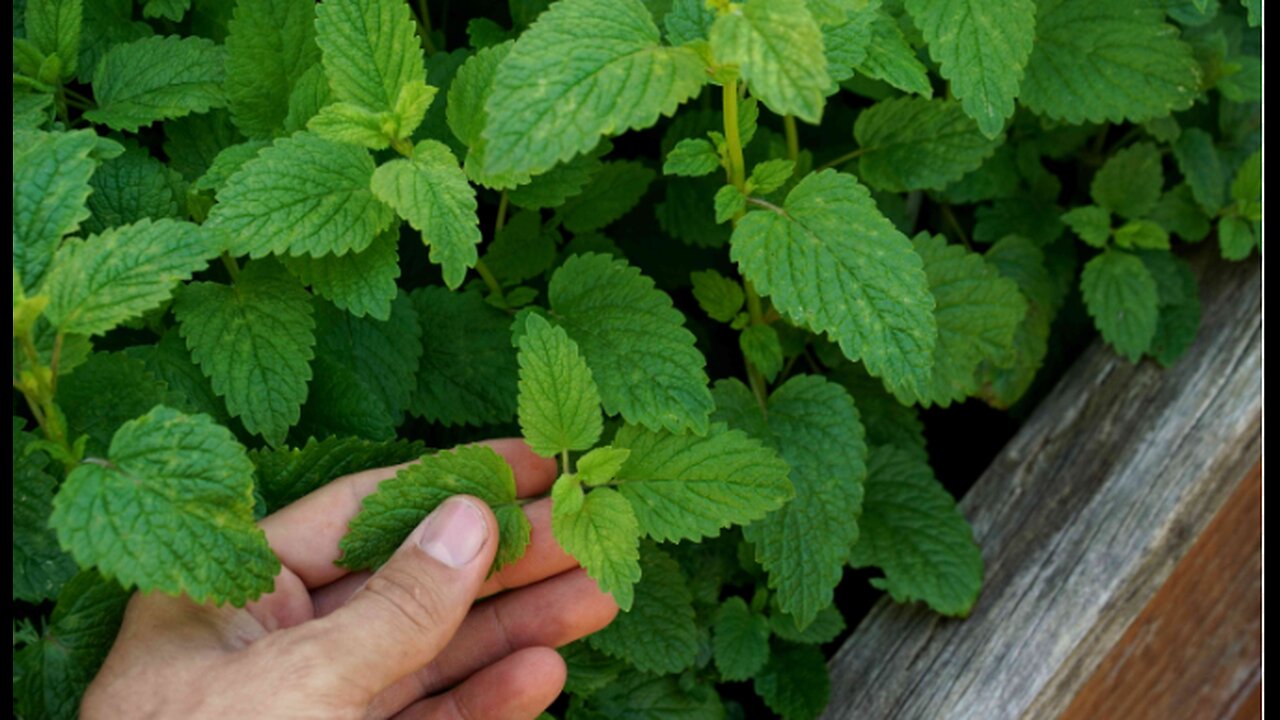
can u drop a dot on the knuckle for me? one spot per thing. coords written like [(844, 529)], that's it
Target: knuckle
[(415, 606)]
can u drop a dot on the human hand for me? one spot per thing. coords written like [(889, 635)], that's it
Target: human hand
[(405, 641)]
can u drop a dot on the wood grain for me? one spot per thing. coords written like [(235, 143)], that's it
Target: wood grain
[(1195, 651), (1081, 518)]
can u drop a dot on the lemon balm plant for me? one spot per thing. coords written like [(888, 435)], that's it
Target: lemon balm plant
[(258, 245)]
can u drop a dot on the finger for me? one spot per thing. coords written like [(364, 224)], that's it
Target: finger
[(552, 613), (543, 558), (411, 607), (519, 686), (305, 535)]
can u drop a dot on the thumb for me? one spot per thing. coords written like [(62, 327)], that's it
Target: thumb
[(410, 608)]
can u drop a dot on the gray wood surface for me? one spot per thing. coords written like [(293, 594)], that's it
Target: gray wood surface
[(1080, 518)]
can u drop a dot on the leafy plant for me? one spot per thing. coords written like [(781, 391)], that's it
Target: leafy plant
[(260, 245)]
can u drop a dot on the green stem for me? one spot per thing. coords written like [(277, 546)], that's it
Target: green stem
[(404, 147), (233, 267), (77, 96), (793, 137), (737, 171), (843, 159), (491, 281), (424, 27), (53, 364), (564, 462), (501, 220), (733, 139), (950, 217)]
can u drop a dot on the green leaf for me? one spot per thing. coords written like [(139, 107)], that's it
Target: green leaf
[(1142, 234), (601, 533), (794, 683), (719, 297), (468, 371), (157, 78), (1023, 216), (52, 673), (912, 529), (170, 509), (1121, 296), (362, 283), (1179, 306), (587, 68), (104, 393), (398, 505), (254, 340), (601, 465), (192, 142), (1236, 238), (363, 369), (612, 193), (431, 192), (106, 23), (1130, 182), (770, 175), (130, 188), (40, 568), (892, 59), (588, 669), (658, 633), (688, 20), (777, 46), (559, 404), (978, 313), (760, 345), (814, 426), (285, 475), (100, 282), (684, 487), (50, 188), (569, 180), (189, 391), (302, 195), (729, 202), (983, 47), (1199, 162), (522, 249), (54, 27), (826, 627), (691, 157), (1020, 260), (832, 263), (1246, 188), (1096, 61), (643, 359), (916, 144), (641, 696), (167, 9), (465, 111), (310, 95), (741, 640), (887, 421), (370, 51), (1090, 223), (270, 45), (1179, 214)]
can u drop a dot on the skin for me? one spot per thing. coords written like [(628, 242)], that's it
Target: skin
[(416, 639)]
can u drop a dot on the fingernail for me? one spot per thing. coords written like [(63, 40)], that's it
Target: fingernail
[(454, 532)]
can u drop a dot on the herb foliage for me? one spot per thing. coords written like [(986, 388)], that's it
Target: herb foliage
[(258, 245)]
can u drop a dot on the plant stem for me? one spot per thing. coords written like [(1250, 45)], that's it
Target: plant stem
[(491, 281), (564, 461), (424, 27), (843, 159), (72, 94), (53, 363), (793, 137), (501, 220), (233, 267), (738, 177), (950, 217), (404, 147)]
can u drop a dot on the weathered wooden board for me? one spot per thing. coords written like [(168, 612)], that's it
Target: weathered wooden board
[(1195, 651), (1081, 518)]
